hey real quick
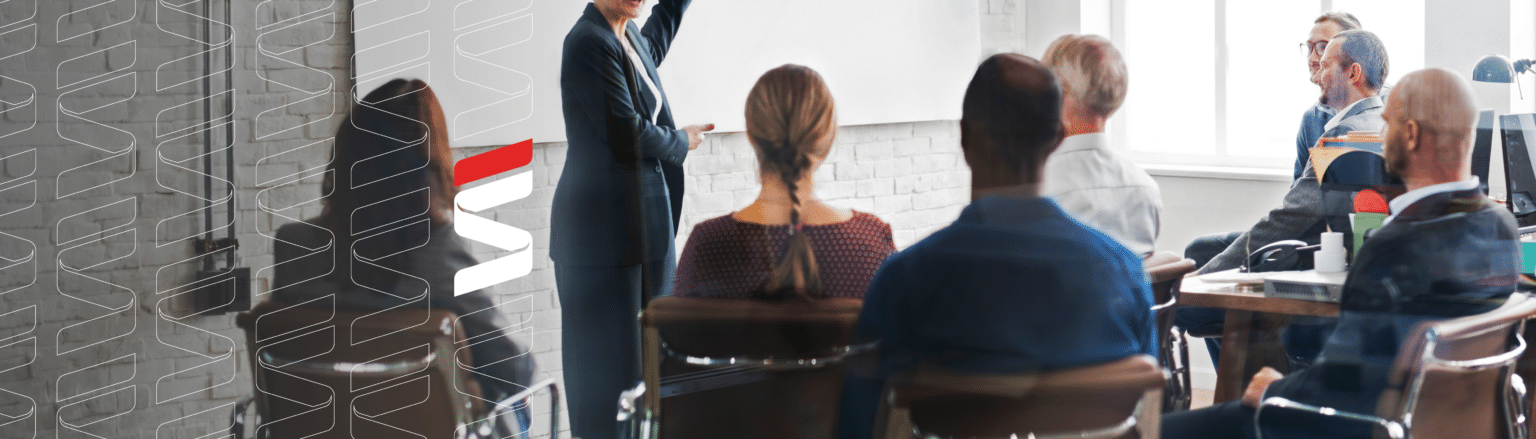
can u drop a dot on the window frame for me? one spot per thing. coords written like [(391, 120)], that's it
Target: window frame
[(1221, 156)]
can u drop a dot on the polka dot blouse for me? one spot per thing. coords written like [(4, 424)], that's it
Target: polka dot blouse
[(729, 258)]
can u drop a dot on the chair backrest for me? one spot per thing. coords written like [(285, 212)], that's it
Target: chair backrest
[(745, 368), (352, 374), (1104, 399), (726, 328), (1346, 175), (1454, 374), (1361, 169), (1166, 270)]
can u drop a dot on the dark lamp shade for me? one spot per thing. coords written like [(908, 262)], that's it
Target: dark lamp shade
[(1494, 68)]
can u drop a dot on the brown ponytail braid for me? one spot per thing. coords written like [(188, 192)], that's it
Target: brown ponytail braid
[(791, 116)]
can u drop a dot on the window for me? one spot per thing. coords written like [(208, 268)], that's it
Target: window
[(1225, 82)]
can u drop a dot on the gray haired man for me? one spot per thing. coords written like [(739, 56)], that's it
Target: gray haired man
[(1351, 72)]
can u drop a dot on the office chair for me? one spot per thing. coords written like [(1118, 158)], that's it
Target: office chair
[(741, 368), (323, 372), (1453, 378), (1347, 174), (1118, 399), (1165, 270)]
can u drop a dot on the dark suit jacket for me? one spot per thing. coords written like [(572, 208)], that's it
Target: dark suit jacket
[(1448, 255), (607, 109), (1301, 214)]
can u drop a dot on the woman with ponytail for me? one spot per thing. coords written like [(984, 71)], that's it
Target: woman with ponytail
[(788, 243)]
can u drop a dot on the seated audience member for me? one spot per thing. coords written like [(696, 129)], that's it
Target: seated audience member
[(1087, 178), (791, 122), (1204, 248), (1351, 73), (1015, 284), (1446, 251), (1324, 28), (392, 144), (1353, 68)]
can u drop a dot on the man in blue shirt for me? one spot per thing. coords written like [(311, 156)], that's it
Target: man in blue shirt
[(1015, 284)]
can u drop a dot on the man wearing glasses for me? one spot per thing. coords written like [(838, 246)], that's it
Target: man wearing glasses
[(1323, 29), (1203, 249)]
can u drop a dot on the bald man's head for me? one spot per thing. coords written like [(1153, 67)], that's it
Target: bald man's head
[(1429, 126), (1011, 118)]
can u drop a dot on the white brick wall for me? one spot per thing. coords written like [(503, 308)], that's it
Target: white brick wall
[(909, 174)]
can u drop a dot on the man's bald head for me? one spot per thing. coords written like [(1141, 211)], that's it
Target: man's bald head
[(1011, 119), (1430, 119)]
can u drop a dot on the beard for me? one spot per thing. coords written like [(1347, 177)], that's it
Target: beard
[(1338, 92), (1396, 161)]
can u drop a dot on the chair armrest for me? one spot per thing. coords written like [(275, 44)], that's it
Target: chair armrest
[(1172, 302), (506, 405), (237, 417), (634, 417), (839, 355), (1394, 429), (1518, 408)]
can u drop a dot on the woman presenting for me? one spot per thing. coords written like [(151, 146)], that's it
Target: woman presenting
[(618, 201)]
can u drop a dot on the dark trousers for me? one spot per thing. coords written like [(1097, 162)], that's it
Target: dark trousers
[(1233, 420), (1206, 321), (1228, 420), (600, 338), (1303, 339)]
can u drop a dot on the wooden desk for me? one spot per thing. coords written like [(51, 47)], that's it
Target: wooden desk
[(1250, 337)]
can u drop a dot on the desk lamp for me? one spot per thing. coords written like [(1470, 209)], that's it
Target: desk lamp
[(1497, 68)]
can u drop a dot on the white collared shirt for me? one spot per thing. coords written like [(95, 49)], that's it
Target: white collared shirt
[(645, 75), (1105, 190), (1407, 199), (1339, 116)]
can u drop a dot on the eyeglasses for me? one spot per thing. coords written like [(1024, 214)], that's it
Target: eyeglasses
[(1314, 47)]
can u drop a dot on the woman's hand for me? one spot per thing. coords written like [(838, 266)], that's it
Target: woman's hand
[(1261, 382), (696, 134)]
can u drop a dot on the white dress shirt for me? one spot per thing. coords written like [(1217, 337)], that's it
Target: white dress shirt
[(1407, 199), (1105, 190), (1339, 116), (634, 58)]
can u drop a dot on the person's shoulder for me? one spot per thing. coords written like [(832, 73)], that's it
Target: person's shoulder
[(722, 222), (1107, 260), (585, 35), (1366, 112), (867, 220), (867, 230), (1505, 218), (300, 230), (714, 229), (1090, 243), (1132, 171)]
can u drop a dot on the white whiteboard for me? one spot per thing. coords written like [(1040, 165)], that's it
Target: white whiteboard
[(495, 64)]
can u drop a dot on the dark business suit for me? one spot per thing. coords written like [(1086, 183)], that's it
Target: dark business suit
[(621, 165), (1450, 254)]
